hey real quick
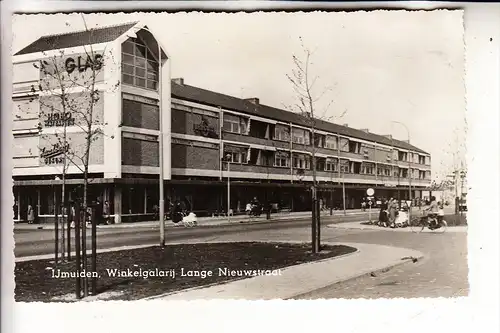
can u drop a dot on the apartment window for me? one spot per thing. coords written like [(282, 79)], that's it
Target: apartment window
[(319, 140), (368, 168), (354, 147), (281, 133), (355, 167), (236, 154), (139, 67), (344, 144), (331, 165), (300, 136), (281, 159), (234, 124), (331, 142), (344, 166), (301, 162), (384, 170)]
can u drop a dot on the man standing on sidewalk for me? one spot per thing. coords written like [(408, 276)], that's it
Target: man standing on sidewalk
[(106, 211)]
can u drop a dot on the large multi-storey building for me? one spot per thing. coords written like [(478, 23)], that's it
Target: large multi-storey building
[(267, 150)]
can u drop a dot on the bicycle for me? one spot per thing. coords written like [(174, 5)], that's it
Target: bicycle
[(433, 223)]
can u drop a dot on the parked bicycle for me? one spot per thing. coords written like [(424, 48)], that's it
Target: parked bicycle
[(434, 222)]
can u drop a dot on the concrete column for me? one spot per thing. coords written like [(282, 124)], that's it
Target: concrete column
[(19, 204), (145, 200), (117, 203), (105, 194), (38, 201)]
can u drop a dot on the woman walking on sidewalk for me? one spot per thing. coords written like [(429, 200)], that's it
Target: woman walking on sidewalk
[(31, 214)]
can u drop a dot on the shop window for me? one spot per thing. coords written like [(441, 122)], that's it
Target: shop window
[(133, 200), (139, 67), (47, 200)]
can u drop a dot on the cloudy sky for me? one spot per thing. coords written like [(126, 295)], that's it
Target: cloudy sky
[(379, 66)]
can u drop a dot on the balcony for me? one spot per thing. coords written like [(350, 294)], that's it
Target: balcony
[(241, 138), (259, 171)]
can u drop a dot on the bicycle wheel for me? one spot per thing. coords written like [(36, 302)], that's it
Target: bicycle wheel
[(442, 229), (416, 225)]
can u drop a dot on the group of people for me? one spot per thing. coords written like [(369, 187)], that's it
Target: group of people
[(102, 213), (392, 215)]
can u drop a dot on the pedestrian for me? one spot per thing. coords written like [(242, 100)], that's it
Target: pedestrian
[(71, 214), (98, 209), (31, 214), (106, 212), (15, 207), (363, 205), (392, 207), (382, 217)]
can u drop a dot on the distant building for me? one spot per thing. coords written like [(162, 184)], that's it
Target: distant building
[(269, 149)]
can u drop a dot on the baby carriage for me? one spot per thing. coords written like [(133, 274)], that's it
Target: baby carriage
[(401, 220), (188, 220)]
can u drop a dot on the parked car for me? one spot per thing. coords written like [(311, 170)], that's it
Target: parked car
[(462, 206)]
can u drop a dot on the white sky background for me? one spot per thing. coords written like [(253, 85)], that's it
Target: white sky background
[(380, 66)]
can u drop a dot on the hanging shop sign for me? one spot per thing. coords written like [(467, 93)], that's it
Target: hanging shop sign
[(82, 63), (55, 154), (57, 119)]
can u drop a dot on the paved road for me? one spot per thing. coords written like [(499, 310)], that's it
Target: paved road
[(38, 242), (443, 272)]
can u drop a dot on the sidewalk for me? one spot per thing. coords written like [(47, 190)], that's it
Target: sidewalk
[(301, 280), (202, 221)]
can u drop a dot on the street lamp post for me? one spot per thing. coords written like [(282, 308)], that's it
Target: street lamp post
[(227, 159), (409, 169)]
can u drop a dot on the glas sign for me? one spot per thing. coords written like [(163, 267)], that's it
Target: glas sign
[(53, 155), (59, 119), (83, 64)]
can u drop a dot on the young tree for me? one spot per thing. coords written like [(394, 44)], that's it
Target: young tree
[(70, 95), (306, 104)]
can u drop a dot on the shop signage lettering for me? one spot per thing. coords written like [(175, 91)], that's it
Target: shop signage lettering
[(83, 63), (52, 155), (59, 119), (204, 129)]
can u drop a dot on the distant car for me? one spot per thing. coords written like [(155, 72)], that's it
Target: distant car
[(462, 206)]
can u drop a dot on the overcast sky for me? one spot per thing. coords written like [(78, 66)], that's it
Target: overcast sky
[(379, 66)]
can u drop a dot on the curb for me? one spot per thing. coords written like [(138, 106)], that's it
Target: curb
[(243, 278), (22, 226), (357, 276), (384, 269)]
